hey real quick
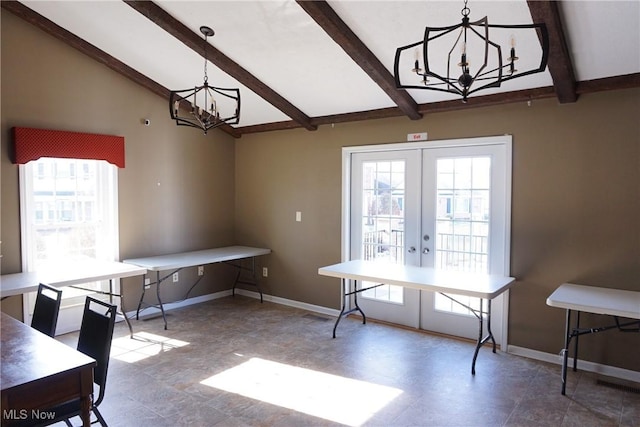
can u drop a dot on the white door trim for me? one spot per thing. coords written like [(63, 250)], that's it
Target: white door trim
[(505, 140)]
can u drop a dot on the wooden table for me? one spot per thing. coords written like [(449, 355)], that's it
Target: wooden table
[(592, 299), (39, 373), (73, 274), (483, 286), (176, 262)]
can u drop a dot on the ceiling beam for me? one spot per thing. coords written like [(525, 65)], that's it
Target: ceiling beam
[(194, 41), (54, 30), (626, 81), (559, 64), (434, 107), (335, 27)]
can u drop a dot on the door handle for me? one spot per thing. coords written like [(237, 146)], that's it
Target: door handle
[(412, 249), (426, 251)]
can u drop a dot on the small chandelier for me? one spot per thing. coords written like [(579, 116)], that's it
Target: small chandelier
[(200, 102), (467, 79)]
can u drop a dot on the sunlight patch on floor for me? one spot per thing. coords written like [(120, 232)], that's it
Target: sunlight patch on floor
[(331, 397), (141, 346)]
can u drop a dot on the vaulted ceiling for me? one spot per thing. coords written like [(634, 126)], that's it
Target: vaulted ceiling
[(301, 64)]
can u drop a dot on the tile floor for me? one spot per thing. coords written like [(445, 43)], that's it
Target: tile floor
[(236, 362)]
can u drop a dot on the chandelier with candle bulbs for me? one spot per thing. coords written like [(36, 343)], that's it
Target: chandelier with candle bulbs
[(200, 106), (481, 64)]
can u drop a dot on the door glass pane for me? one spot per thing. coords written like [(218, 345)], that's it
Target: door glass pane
[(383, 193), (462, 222)]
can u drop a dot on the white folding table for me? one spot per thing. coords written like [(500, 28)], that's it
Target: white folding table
[(178, 261), (483, 286), (613, 302), (72, 274)]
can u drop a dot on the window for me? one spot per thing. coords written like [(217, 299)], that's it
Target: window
[(67, 216)]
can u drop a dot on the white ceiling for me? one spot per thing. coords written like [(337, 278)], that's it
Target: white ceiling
[(282, 46)]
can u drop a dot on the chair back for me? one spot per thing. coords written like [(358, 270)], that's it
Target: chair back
[(45, 312), (94, 340)]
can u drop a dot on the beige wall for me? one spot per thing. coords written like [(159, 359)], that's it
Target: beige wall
[(576, 195), (176, 191), (576, 185)]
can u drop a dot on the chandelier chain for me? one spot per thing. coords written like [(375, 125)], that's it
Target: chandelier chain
[(465, 10), (205, 59)]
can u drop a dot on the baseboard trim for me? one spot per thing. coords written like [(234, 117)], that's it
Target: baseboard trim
[(154, 311), (290, 303), (583, 365)]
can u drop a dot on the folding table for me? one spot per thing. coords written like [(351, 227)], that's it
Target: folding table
[(591, 299), (483, 286), (73, 274), (178, 261)]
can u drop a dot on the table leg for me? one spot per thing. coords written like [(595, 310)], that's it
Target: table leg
[(144, 290), (480, 341), (565, 350), (343, 310), (86, 396), (121, 295), (253, 280), (85, 411), (343, 307), (164, 317), (493, 341), (575, 345), (479, 313), (357, 307), (124, 313), (235, 282)]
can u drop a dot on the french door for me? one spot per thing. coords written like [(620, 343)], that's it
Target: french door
[(443, 205), (385, 208)]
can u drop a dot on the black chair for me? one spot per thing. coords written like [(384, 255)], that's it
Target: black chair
[(45, 312), (94, 340)]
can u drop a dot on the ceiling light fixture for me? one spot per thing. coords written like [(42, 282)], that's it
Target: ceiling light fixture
[(201, 103), (473, 43)]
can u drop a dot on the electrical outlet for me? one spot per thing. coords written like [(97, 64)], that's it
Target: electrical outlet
[(147, 281), (265, 272), (176, 277), (201, 270)]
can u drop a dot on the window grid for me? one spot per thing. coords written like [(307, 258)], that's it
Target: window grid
[(70, 213), (383, 192), (462, 224)]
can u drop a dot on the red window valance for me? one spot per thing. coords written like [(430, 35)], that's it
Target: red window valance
[(31, 144)]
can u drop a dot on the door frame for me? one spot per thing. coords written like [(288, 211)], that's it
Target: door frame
[(505, 140)]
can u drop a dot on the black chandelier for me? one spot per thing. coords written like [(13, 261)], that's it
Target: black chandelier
[(467, 79), (200, 103)]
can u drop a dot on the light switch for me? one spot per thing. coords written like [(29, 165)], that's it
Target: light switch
[(299, 216)]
